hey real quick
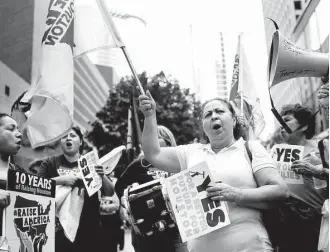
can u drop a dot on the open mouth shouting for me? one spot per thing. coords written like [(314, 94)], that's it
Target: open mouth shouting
[(216, 126), (68, 144)]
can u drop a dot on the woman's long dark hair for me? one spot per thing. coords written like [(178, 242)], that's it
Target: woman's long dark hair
[(79, 133), (238, 130)]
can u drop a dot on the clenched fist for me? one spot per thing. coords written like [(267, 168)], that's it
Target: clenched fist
[(147, 104)]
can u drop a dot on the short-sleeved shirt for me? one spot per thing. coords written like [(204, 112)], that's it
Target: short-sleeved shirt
[(232, 166)]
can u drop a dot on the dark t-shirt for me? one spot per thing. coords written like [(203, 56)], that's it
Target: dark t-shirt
[(89, 225), (3, 186), (141, 171)]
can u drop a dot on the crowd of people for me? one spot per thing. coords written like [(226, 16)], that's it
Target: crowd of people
[(246, 174)]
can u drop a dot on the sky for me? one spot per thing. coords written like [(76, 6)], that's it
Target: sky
[(164, 44)]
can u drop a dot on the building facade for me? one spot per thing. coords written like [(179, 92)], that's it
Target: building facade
[(304, 23), (208, 66), (221, 72), (21, 29), (16, 42)]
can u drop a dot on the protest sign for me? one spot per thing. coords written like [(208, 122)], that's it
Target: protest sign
[(195, 213), (30, 217), (284, 155), (92, 180)]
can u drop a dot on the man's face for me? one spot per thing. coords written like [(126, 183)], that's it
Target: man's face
[(10, 137)]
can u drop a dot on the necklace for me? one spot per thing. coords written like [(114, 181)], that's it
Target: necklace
[(143, 165)]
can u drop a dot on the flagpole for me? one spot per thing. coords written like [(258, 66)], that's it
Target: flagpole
[(118, 41), (139, 85), (241, 81)]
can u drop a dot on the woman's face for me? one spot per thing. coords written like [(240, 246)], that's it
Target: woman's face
[(71, 143), (10, 137), (19, 116), (218, 121), (293, 123)]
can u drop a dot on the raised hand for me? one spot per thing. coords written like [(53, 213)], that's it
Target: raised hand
[(147, 104)]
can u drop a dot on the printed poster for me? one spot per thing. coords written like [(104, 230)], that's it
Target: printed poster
[(30, 217), (92, 180), (285, 155), (195, 213)]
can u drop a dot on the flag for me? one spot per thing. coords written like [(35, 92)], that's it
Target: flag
[(235, 79), (51, 94), (110, 160), (244, 95), (94, 28)]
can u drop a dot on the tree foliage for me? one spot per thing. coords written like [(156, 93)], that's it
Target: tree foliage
[(177, 109)]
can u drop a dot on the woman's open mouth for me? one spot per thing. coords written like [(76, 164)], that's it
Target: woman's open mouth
[(68, 144), (216, 126)]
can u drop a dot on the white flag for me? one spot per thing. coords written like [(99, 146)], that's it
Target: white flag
[(246, 94), (51, 94), (94, 28), (110, 160)]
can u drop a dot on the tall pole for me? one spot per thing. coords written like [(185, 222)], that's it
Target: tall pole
[(115, 34), (139, 85), (126, 16)]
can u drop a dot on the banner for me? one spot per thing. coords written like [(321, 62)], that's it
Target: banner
[(51, 92), (236, 74), (30, 217), (92, 180), (195, 213), (285, 155), (244, 94)]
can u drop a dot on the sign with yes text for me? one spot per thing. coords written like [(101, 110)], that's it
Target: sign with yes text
[(195, 213), (92, 180), (284, 155)]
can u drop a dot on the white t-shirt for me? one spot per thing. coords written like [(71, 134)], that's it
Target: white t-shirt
[(231, 166)]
